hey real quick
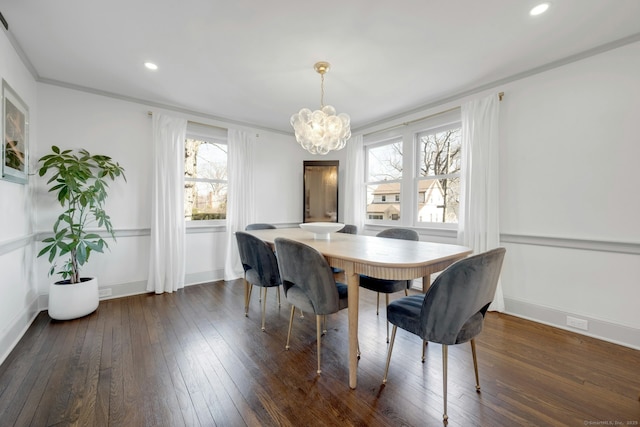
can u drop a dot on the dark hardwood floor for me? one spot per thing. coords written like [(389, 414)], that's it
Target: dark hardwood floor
[(192, 358)]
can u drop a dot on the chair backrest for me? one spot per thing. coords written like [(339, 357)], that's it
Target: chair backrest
[(304, 267), (463, 290), (258, 260), (349, 229), (399, 233), (259, 226)]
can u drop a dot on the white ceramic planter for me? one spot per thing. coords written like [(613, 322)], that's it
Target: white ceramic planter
[(73, 301)]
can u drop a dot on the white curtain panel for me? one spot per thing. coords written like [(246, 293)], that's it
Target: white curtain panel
[(167, 251), (240, 197), (354, 196), (478, 226)]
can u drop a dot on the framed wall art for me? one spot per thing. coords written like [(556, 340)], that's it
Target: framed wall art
[(15, 131)]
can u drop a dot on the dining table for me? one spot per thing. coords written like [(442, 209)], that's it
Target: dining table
[(378, 257)]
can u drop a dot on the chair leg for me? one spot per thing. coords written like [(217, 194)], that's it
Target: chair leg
[(387, 304), (246, 297), (393, 338), (278, 296), (293, 310), (406, 292), (318, 338), (475, 363), (424, 347), (324, 324), (264, 306), (301, 314), (445, 417)]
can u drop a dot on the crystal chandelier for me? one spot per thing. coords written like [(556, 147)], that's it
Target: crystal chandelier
[(321, 131)]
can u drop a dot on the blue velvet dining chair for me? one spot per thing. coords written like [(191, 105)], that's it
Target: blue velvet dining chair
[(259, 226), (389, 286), (262, 226), (309, 284), (260, 268), (453, 309)]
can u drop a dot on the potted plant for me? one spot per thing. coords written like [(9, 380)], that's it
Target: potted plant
[(79, 181)]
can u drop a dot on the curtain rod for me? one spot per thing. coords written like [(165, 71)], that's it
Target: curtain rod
[(410, 122), (150, 113)]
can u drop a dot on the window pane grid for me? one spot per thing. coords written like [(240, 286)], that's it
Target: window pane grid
[(205, 182), (438, 175), (384, 181)]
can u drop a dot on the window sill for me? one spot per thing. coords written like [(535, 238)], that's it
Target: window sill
[(205, 227)]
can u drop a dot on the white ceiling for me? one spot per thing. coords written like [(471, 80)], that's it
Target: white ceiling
[(252, 61)]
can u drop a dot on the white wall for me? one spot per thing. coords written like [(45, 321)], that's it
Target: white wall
[(18, 295), (122, 130), (569, 194)]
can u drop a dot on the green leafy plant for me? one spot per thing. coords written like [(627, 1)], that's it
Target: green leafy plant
[(80, 182)]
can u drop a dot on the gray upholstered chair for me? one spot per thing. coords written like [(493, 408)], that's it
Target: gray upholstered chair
[(260, 268), (349, 229), (453, 309), (389, 286), (259, 226), (308, 284)]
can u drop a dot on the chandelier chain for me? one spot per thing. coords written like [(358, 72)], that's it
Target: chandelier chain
[(321, 90)]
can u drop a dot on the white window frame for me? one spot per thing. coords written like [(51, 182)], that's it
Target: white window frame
[(408, 134), (377, 144), (417, 179), (214, 135)]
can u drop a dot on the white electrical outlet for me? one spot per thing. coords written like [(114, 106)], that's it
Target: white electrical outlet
[(574, 322), (104, 292)]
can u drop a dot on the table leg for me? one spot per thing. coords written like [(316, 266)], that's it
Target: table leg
[(426, 282), (353, 283)]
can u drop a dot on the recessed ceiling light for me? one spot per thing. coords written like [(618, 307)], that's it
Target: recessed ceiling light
[(151, 66), (539, 9)]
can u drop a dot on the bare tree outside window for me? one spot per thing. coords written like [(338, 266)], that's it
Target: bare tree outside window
[(205, 169), (439, 161), (384, 163)]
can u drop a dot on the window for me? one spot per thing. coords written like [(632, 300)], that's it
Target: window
[(205, 175), (438, 175), (384, 176), (412, 173)]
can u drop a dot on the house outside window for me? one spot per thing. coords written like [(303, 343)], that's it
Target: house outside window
[(205, 176), (384, 176)]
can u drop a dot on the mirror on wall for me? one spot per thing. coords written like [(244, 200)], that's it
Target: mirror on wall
[(320, 191)]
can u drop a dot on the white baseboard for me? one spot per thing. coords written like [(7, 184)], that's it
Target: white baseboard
[(140, 287), (204, 277), (600, 329), (10, 336)]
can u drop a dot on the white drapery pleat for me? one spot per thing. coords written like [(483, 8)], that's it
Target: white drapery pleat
[(240, 197), (167, 246), (354, 199), (478, 226)]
